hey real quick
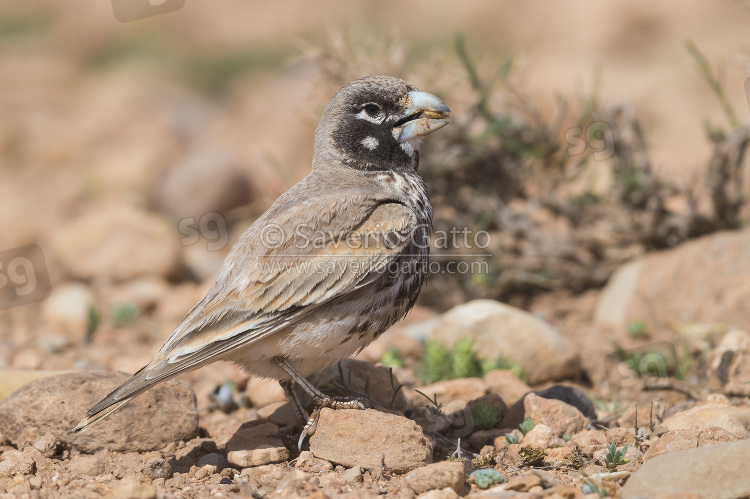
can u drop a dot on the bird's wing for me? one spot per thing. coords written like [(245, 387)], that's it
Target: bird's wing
[(275, 288)]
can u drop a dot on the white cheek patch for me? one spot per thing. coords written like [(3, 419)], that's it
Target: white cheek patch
[(378, 120), (408, 148), (370, 143)]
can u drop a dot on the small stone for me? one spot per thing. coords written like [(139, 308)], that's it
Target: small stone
[(158, 468), (213, 459), (449, 392), (16, 463), (541, 436), (440, 475), (370, 439), (254, 447), (47, 444), (86, 466), (67, 309), (307, 462), (133, 490), (446, 493), (619, 436), (562, 418), (570, 395), (353, 475)]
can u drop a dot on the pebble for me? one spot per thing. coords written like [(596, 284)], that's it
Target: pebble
[(158, 468), (254, 447), (562, 418), (86, 466), (445, 474), (16, 463)]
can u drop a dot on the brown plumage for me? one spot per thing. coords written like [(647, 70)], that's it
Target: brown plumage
[(331, 265)]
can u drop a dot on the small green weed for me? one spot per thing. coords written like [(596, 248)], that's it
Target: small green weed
[(615, 457)]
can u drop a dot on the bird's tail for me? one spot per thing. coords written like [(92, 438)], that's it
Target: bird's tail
[(123, 394)]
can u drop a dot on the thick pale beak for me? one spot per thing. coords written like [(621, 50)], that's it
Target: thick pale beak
[(425, 114)]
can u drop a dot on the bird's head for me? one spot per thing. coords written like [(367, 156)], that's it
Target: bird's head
[(377, 123)]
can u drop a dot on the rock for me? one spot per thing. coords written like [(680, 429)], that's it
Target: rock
[(213, 459), (506, 384), (206, 180), (353, 475), (158, 468), (570, 395), (370, 439), (446, 493), (731, 419), (541, 436), (67, 309), (589, 441), (307, 462), (463, 390), (700, 281), (501, 330), (619, 436), (48, 445), (689, 438), (16, 463), (13, 379), (120, 245), (254, 446), (358, 373), (86, 466), (445, 474), (714, 471), (562, 418), (282, 414), (166, 413), (264, 391), (133, 490), (730, 364)]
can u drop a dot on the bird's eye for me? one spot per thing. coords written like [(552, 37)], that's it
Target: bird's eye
[(372, 109)]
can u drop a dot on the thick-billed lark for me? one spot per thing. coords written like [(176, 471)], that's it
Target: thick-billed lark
[(330, 266)]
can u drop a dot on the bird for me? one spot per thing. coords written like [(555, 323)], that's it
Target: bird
[(330, 266)]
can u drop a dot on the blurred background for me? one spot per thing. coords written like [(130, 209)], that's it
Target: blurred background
[(585, 136)]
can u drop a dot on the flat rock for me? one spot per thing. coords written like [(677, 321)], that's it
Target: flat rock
[(437, 476), (166, 413), (562, 418), (689, 438), (254, 446), (730, 418), (501, 330), (370, 439), (714, 472)]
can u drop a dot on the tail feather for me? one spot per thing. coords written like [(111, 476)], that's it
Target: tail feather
[(123, 394)]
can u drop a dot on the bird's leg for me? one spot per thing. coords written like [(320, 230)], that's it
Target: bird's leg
[(319, 398), (288, 387)]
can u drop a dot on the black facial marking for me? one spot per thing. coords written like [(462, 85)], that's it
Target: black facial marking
[(373, 105)]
